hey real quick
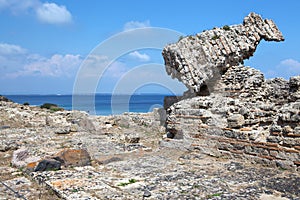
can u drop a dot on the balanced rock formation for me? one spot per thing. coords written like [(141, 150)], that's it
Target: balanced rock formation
[(233, 111), (197, 60)]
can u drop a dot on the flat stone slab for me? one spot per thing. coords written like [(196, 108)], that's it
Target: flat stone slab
[(173, 175)]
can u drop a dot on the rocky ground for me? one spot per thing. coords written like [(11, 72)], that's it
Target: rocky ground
[(71, 155)]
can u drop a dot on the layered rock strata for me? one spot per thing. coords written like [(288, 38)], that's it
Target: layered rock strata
[(252, 118), (197, 60)]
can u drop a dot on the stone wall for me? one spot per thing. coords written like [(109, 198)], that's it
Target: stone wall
[(248, 117)]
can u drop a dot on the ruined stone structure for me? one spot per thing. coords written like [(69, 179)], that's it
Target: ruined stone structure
[(242, 114), (196, 60)]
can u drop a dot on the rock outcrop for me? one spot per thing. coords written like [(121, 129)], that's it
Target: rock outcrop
[(197, 60), (232, 110)]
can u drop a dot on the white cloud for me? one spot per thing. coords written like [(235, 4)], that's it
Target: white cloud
[(45, 12), (93, 61), (10, 49), (53, 14), (96, 64), (55, 66), (286, 69), (11, 57), (15, 61), (116, 70), (17, 6), (136, 24), (141, 57), (290, 67), (292, 64)]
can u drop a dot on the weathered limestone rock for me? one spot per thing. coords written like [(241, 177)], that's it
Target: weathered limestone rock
[(294, 88), (236, 121), (160, 115), (132, 138), (86, 124), (22, 157), (246, 115), (8, 145), (73, 157), (197, 60), (232, 106), (62, 130)]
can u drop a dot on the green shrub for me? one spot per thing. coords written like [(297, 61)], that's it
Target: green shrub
[(26, 104), (52, 107), (191, 37), (74, 190), (48, 105), (226, 28), (131, 181), (215, 37), (213, 195), (180, 38)]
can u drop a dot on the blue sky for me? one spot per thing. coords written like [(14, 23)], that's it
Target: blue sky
[(43, 43)]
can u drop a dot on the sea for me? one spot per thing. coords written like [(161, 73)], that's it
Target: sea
[(104, 104)]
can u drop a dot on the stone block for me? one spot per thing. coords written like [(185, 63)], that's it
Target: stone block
[(22, 157), (132, 138), (47, 165), (235, 121), (73, 157)]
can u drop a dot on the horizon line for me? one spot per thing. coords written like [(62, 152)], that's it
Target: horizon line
[(100, 93)]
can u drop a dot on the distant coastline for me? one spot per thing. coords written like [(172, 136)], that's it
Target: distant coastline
[(143, 102)]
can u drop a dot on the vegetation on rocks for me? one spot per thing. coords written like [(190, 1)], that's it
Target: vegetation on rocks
[(215, 37), (52, 107), (226, 28), (131, 181)]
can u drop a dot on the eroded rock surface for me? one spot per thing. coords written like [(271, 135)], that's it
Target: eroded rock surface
[(232, 107), (248, 117), (128, 158), (197, 60)]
